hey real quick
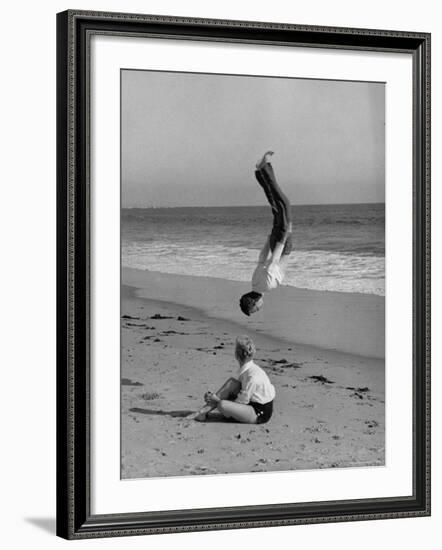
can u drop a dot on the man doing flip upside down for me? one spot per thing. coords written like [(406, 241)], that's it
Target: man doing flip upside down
[(272, 260)]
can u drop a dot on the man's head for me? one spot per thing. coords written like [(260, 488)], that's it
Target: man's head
[(250, 302), (244, 349)]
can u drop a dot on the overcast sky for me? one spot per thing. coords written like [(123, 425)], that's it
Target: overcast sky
[(193, 139)]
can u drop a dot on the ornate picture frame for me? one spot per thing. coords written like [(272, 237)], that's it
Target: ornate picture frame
[(75, 518)]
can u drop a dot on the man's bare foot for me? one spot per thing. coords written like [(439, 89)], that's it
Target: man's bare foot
[(265, 159)]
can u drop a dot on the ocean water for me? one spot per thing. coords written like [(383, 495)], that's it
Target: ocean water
[(335, 247)]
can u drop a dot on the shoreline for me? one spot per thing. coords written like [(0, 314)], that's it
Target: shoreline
[(343, 322)]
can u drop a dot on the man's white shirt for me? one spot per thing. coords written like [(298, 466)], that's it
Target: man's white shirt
[(267, 276)]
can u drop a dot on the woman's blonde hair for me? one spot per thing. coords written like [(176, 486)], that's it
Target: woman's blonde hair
[(245, 348)]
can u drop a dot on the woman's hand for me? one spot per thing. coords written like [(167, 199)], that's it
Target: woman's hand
[(211, 399)]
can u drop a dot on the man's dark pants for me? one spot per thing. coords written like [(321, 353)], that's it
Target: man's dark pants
[(280, 205)]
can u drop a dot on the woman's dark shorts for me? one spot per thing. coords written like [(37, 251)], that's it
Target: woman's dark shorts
[(263, 412)]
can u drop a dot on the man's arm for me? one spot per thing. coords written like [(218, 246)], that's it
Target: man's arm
[(279, 247), (264, 254), (277, 252)]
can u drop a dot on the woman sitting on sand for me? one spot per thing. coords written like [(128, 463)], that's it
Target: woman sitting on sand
[(249, 398), (270, 270)]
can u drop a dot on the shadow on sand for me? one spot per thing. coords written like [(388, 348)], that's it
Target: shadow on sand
[(213, 417), (173, 414)]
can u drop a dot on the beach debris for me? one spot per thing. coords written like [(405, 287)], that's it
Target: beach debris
[(278, 365), (275, 361), (157, 340), (321, 379), (371, 423), (128, 382), (359, 390), (238, 436), (202, 470), (159, 316), (358, 395), (180, 318), (317, 429), (148, 396)]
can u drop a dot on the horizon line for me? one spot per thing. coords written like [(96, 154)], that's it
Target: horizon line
[(155, 207)]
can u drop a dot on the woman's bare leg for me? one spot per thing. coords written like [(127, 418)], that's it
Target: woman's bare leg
[(238, 411), (229, 390)]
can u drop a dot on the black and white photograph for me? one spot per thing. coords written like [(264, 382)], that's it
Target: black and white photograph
[(222, 257), (252, 274)]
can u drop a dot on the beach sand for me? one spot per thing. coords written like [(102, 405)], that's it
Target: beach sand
[(325, 359)]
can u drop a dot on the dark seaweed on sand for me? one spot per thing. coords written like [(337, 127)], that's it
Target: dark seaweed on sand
[(159, 316), (360, 390), (127, 382), (321, 379)]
